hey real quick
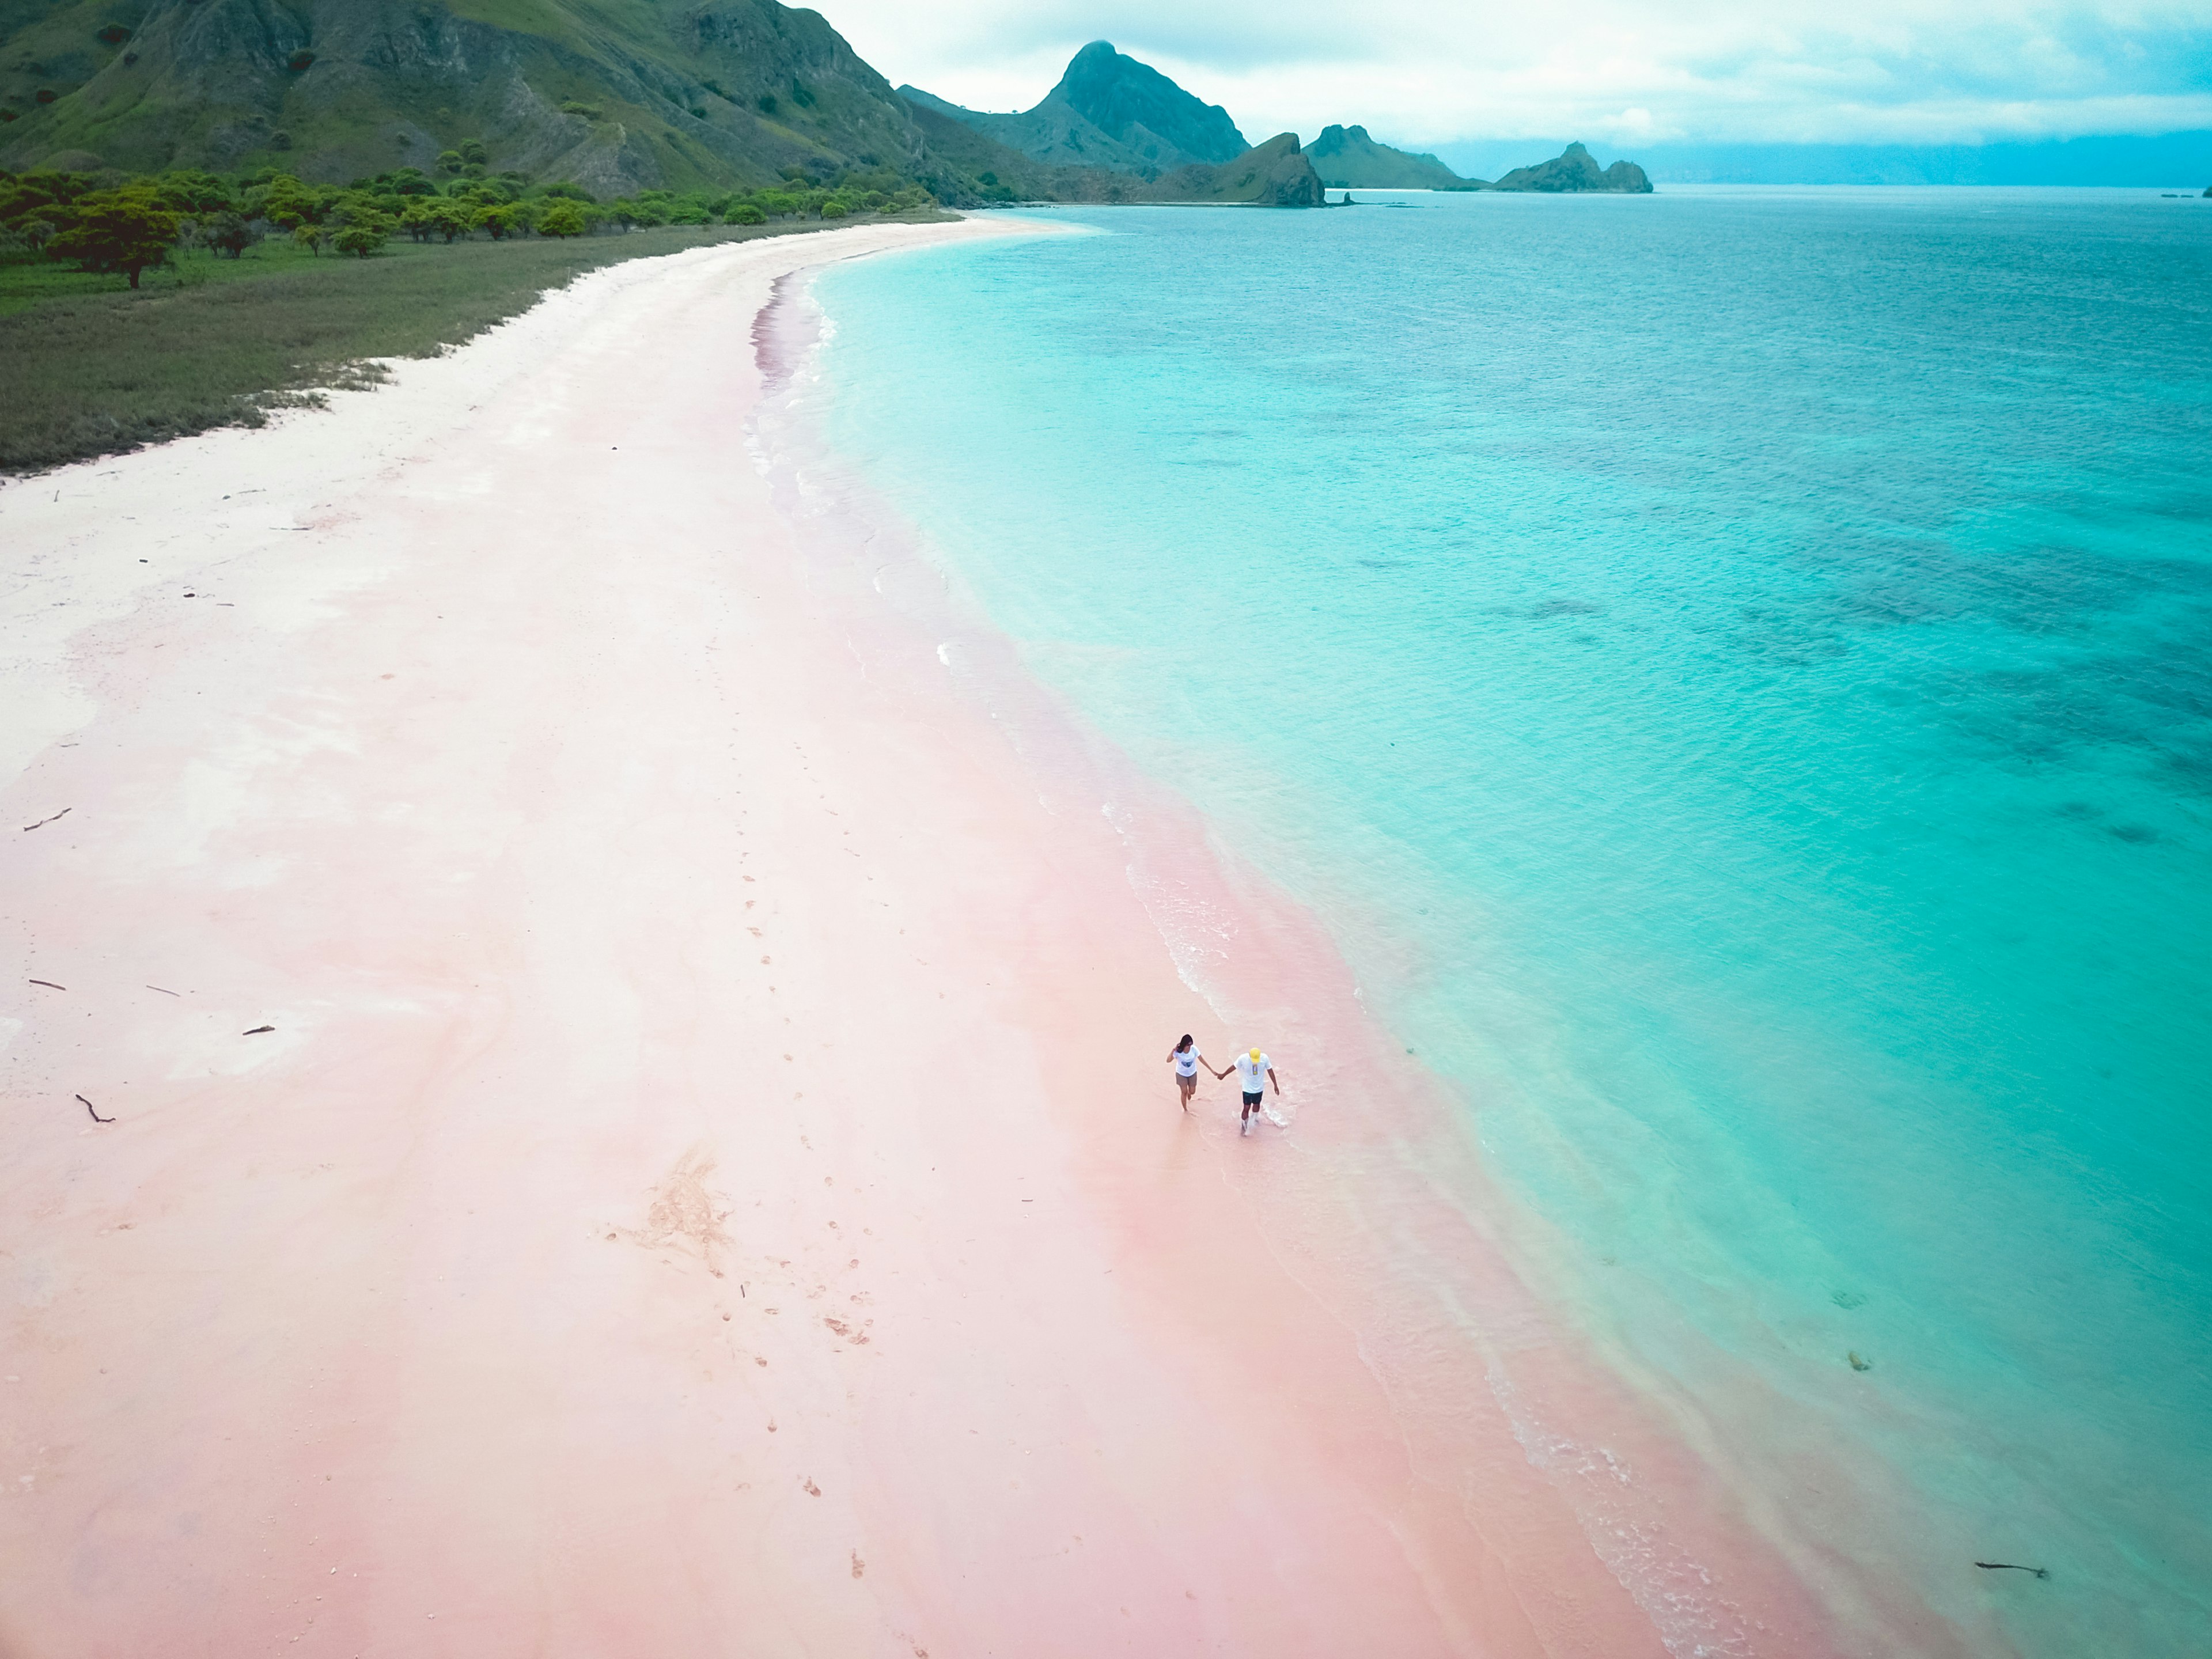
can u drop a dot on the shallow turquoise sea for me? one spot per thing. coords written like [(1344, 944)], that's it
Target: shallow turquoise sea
[(1734, 671)]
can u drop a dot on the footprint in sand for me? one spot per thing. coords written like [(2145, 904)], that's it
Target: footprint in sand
[(684, 1214)]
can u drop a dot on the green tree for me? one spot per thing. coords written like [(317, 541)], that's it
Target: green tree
[(361, 240), (744, 213), (499, 220), (563, 219), (287, 203), (229, 233), (191, 192), (310, 236), (452, 219), (125, 230)]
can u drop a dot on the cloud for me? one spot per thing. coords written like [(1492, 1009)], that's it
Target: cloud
[(1875, 71)]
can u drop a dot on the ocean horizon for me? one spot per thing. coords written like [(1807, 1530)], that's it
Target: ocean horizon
[(1728, 671)]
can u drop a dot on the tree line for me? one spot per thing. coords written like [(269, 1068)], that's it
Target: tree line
[(130, 223)]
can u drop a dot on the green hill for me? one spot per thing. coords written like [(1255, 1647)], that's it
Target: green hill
[(1274, 174), (617, 95), (1347, 158), (1108, 110)]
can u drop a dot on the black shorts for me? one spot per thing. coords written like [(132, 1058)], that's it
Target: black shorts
[(1254, 1100)]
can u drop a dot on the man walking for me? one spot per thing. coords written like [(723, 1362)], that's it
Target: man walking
[(1254, 1070)]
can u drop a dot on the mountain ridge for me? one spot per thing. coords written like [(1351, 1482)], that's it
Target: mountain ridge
[(647, 92), (1107, 110)]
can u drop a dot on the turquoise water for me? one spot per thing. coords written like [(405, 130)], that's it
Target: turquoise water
[(1735, 672)]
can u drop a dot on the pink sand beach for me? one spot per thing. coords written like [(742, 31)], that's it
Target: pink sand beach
[(635, 1046)]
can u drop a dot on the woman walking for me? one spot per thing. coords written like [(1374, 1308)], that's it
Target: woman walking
[(1188, 1059)]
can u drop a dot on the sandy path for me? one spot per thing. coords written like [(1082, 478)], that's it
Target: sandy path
[(710, 1186)]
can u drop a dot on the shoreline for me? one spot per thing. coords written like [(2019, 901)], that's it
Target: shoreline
[(644, 915), (1713, 1569)]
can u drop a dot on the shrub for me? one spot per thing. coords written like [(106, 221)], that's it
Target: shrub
[(744, 213), (765, 103), (563, 219), (473, 152), (115, 34), (589, 111), (124, 230), (690, 213), (449, 160), (299, 61), (834, 208)]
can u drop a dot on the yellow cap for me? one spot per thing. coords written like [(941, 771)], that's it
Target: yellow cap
[(1255, 1053)]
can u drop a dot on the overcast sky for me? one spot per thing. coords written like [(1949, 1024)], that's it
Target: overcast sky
[(1824, 71)]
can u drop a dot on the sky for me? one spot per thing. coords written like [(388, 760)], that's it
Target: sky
[(1704, 71)]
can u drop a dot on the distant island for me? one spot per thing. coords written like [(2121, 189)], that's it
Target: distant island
[(1110, 113), (1347, 159)]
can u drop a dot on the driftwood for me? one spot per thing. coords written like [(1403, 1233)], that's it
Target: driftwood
[(50, 985), (258, 1030), (2009, 1566), (96, 1117), (64, 813)]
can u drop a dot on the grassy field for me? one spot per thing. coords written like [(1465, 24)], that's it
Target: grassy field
[(89, 368)]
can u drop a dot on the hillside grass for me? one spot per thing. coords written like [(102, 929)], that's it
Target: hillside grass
[(89, 368)]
